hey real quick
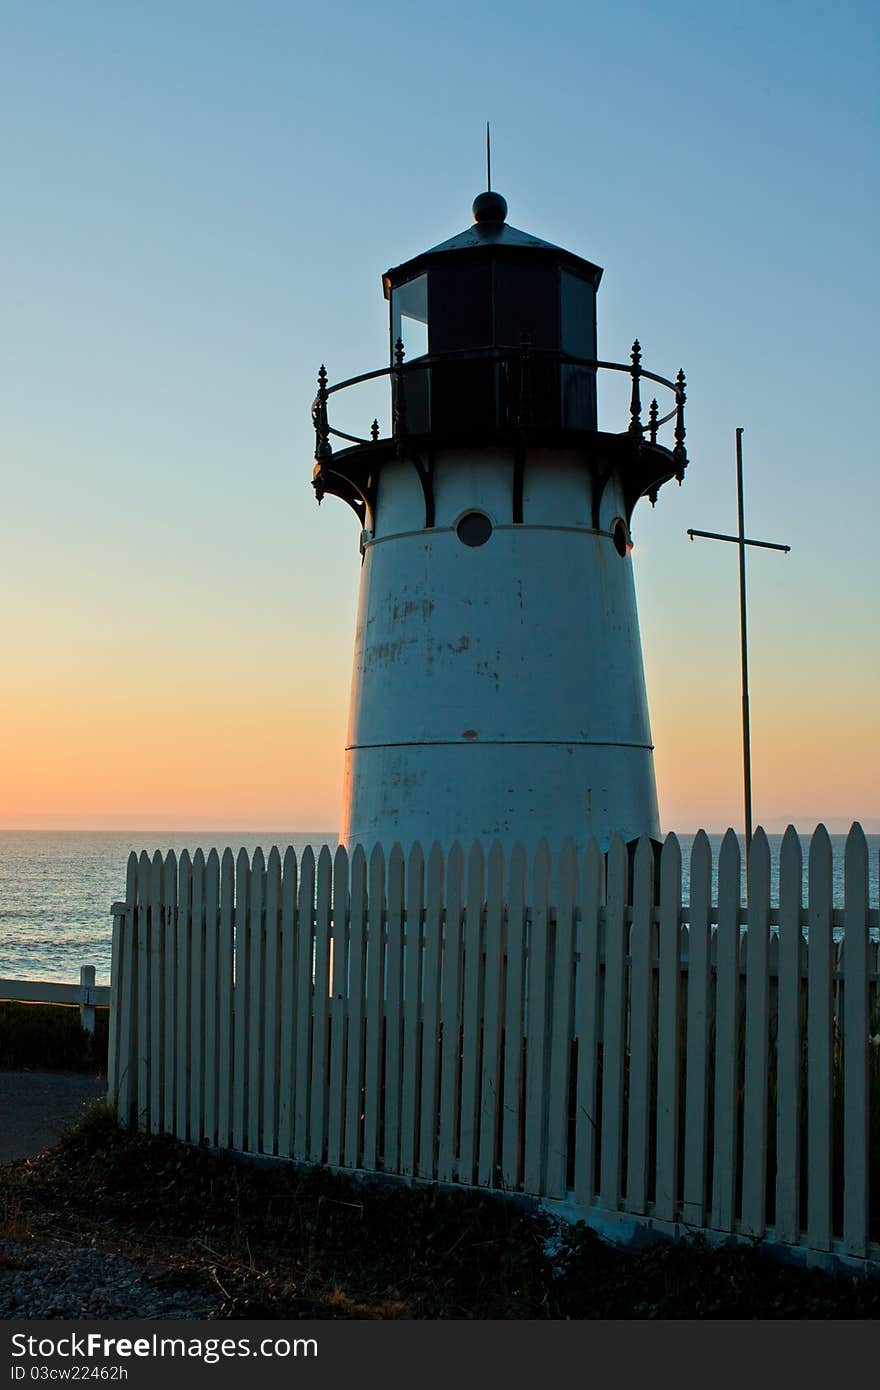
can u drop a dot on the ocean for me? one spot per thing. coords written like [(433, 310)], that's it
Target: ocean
[(56, 888)]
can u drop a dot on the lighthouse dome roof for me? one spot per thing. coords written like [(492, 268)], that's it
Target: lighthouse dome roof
[(490, 231)]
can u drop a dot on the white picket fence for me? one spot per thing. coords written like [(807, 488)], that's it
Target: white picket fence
[(705, 1065)]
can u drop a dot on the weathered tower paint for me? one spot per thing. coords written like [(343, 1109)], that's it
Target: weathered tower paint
[(498, 689)]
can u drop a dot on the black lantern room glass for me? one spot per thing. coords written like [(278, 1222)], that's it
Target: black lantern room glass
[(496, 336), (409, 317)]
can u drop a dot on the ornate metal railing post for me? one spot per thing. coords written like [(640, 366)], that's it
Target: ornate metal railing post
[(323, 448), (653, 414), (374, 431), (635, 405), (679, 453), (399, 391)]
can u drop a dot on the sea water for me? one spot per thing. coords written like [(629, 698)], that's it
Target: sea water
[(56, 888)]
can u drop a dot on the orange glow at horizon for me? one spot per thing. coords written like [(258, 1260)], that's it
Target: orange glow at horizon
[(221, 726), (807, 767), (191, 755), (169, 757)]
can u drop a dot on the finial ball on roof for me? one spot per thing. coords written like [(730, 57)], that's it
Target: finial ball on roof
[(489, 207)]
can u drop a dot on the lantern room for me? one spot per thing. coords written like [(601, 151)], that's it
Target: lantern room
[(493, 344), (496, 328)]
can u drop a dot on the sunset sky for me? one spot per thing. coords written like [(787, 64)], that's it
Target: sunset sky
[(200, 199)]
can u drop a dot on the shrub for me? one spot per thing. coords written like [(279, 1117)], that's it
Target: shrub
[(50, 1037)]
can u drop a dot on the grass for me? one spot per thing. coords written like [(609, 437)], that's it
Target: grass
[(285, 1242), (50, 1037)]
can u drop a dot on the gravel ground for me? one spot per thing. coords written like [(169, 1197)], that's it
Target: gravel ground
[(59, 1281), (49, 1280)]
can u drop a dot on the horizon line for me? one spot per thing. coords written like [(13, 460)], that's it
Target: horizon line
[(803, 825)]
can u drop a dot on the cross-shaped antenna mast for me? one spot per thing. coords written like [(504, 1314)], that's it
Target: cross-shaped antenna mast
[(488, 159), (742, 541)]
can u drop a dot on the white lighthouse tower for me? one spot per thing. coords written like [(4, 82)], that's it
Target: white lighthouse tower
[(498, 690)]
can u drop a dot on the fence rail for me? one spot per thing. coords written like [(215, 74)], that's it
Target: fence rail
[(87, 994), (708, 1063)]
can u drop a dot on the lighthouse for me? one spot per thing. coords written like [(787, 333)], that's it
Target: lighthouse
[(498, 688)]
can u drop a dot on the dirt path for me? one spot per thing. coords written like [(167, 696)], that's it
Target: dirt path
[(36, 1106)]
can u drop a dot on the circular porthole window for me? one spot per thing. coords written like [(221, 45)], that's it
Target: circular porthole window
[(474, 528), (620, 536)]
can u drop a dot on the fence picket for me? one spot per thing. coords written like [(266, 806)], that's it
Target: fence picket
[(819, 1041), (513, 1117), (697, 1041), (472, 1003), (757, 1042), (305, 945), (641, 1025), (170, 987), (592, 893), (375, 1009), (143, 990), (338, 1011), (540, 956), (272, 1003), (856, 1126), (393, 1011), (789, 1045), (430, 1078), (225, 985), (412, 995), (321, 1008), (450, 991), (113, 1020), (124, 1001), (197, 996), (181, 1048), (242, 997), (668, 1033), (256, 988), (614, 1026), (212, 993), (726, 1028), (561, 1026), (490, 1079), (354, 1085), (287, 1001), (157, 992)]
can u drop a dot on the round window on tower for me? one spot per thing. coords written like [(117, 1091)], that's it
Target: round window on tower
[(474, 528), (620, 536)]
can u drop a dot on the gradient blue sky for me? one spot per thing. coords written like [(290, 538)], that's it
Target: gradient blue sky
[(200, 199)]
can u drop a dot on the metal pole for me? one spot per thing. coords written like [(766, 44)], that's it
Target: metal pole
[(742, 540), (747, 749)]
